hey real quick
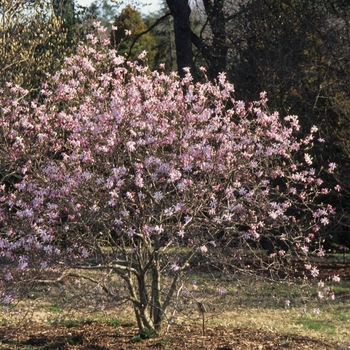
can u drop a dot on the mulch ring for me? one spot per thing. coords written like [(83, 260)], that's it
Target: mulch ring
[(99, 336)]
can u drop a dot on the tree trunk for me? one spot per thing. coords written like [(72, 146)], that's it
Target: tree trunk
[(218, 50), (157, 312), (180, 10)]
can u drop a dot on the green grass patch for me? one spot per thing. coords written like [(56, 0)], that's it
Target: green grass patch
[(163, 343), (343, 287), (319, 325), (55, 308), (136, 339), (114, 322), (75, 340), (71, 323), (343, 317), (146, 333), (339, 257)]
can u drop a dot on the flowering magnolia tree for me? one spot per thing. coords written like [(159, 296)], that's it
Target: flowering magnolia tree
[(135, 173)]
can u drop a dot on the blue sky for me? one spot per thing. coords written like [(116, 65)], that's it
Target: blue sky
[(152, 5)]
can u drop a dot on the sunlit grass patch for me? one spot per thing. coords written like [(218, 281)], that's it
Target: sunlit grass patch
[(253, 302)]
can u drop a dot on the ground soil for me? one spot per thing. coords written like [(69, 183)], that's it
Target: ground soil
[(100, 336)]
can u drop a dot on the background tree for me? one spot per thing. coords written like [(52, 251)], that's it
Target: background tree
[(215, 48), (104, 11), (33, 40), (66, 11), (180, 10), (35, 37), (163, 33), (131, 20), (296, 50)]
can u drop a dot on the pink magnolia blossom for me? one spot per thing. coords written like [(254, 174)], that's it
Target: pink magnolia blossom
[(281, 252), (221, 290), (331, 167), (203, 249), (175, 267), (321, 253), (316, 311), (314, 272), (304, 249), (335, 278), (308, 159)]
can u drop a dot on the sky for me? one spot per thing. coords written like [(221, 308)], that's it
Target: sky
[(152, 5)]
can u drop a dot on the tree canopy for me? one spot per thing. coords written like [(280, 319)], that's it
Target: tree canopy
[(140, 175)]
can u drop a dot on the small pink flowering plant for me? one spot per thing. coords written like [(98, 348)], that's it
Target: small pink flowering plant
[(113, 166)]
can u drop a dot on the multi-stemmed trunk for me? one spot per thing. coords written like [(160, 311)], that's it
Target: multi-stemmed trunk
[(145, 288)]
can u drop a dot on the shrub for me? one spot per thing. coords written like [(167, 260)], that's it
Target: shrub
[(135, 173)]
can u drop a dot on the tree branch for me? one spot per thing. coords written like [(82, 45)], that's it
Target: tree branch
[(198, 43), (174, 282)]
